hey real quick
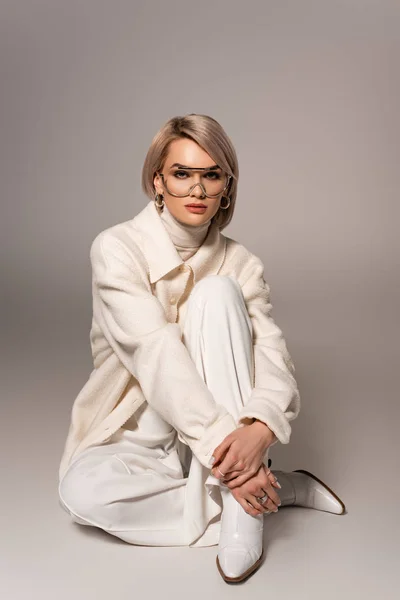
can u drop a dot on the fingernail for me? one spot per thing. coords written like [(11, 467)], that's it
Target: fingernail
[(278, 484), (212, 460)]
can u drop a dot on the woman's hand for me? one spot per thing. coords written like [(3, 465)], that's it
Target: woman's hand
[(241, 453), (264, 482)]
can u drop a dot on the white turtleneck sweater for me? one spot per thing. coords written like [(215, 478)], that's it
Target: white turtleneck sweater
[(187, 239)]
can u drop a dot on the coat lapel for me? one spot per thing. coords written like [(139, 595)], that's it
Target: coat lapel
[(161, 254)]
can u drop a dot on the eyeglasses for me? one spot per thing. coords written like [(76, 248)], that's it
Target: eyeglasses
[(181, 182)]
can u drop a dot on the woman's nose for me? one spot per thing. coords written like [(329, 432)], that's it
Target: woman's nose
[(198, 191)]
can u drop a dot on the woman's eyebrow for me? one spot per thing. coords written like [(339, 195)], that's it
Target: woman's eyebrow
[(213, 167)]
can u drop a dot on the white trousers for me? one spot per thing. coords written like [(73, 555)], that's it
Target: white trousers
[(144, 485)]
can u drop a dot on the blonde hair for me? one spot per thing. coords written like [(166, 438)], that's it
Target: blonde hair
[(208, 134)]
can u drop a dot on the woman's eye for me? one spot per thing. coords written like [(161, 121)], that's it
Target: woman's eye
[(184, 174)]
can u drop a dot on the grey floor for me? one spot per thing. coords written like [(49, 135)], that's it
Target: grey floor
[(347, 434)]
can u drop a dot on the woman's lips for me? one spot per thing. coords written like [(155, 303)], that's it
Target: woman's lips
[(195, 208)]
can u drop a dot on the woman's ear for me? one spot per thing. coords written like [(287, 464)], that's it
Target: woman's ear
[(156, 183)]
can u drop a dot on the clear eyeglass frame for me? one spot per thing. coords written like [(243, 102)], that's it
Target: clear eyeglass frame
[(228, 178)]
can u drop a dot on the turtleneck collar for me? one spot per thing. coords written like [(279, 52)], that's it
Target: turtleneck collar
[(186, 238)]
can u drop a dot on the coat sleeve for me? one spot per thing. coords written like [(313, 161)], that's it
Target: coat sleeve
[(134, 323), (275, 397)]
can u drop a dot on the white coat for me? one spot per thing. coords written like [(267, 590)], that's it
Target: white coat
[(140, 287)]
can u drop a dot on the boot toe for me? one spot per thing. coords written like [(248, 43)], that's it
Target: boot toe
[(325, 500), (319, 496), (236, 563)]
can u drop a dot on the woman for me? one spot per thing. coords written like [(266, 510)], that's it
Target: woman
[(192, 381)]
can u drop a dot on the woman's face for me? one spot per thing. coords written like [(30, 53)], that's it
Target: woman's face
[(186, 152)]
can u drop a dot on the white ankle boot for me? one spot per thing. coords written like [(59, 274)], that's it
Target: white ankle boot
[(302, 488), (240, 547)]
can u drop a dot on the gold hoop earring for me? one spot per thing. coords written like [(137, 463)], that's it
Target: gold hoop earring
[(228, 205), (156, 201)]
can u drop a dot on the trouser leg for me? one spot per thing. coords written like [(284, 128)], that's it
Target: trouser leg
[(218, 334), (132, 486)]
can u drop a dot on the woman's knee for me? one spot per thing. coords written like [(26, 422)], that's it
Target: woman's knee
[(218, 289), (77, 492)]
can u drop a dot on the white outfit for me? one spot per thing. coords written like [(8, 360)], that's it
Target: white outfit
[(144, 485)]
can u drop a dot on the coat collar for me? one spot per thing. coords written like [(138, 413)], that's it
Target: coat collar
[(161, 254)]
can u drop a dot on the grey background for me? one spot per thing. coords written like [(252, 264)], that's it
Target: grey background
[(309, 93)]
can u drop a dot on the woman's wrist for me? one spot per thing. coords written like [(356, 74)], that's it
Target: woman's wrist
[(260, 425), (247, 420)]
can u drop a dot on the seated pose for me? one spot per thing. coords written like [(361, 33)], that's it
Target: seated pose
[(192, 381)]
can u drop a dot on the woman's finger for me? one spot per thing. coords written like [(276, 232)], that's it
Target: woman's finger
[(225, 467), (266, 484), (249, 508), (220, 450), (273, 500), (268, 504), (251, 499), (263, 485), (231, 475), (273, 479), (239, 480)]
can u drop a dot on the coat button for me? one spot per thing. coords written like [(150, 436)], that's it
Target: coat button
[(172, 300)]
